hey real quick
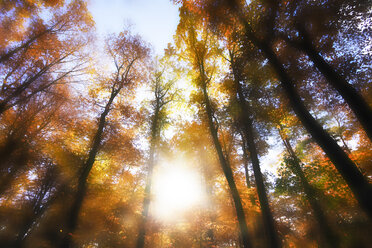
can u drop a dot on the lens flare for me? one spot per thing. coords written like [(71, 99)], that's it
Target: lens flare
[(176, 190)]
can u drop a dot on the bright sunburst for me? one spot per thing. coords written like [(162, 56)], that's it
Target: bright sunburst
[(176, 190)]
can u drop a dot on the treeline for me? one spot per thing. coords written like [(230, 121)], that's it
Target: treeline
[(78, 151)]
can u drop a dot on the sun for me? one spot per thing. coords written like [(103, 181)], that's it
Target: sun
[(176, 190)]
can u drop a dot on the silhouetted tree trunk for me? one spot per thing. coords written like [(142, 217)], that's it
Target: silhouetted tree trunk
[(82, 181), (358, 184), (226, 168), (246, 122), (210, 235), (30, 224), (245, 161), (329, 236), (358, 105)]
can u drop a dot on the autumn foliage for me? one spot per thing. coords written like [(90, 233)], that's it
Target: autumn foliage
[(270, 102)]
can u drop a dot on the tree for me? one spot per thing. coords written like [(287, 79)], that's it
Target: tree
[(198, 52), (162, 90), (126, 51), (357, 182), (246, 122), (310, 30), (49, 54)]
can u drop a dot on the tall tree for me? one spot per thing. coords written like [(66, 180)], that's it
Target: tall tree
[(245, 119), (235, 10), (198, 52), (126, 51), (335, 15), (294, 163), (163, 95), (50, 53)]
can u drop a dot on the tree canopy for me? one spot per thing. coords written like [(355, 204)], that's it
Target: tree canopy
[(252, 129)]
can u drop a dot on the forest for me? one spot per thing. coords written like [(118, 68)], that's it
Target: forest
[(253, 129)]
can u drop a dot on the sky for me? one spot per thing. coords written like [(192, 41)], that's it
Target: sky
[(155, 20)]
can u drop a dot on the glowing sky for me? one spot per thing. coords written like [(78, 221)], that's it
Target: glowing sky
[(155, 20)]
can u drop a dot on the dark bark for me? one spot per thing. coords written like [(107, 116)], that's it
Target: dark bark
[(82, 181), (358, 184), (326, 232), (356, 102), (227, 171), (247, 127), (245, 161)]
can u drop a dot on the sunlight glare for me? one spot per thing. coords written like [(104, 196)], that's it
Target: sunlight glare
[(177, 189)]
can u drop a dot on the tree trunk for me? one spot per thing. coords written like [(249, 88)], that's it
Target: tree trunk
[(358, 184), (329, 236), (227, 172), (246, 122), (82, 183), (151, 163), (245, 161), (357, 104)]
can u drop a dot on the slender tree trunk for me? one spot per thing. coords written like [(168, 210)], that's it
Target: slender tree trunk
[(356, 102), (82, 183), (329, 236), (252, 196), (227, 171), (358, 184), (245, 161), (151, 163), (32, 221), (345, 145), (246, 122)]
